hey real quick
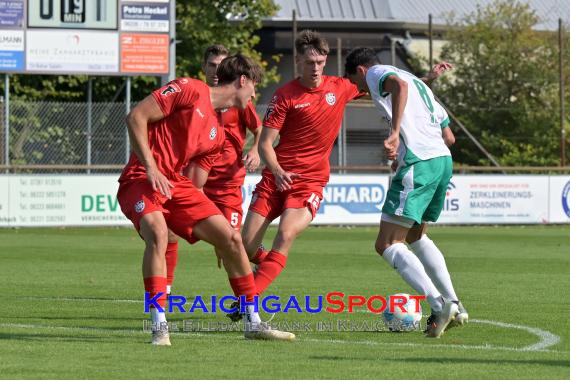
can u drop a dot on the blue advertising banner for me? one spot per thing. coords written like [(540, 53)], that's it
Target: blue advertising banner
[(11, 13)]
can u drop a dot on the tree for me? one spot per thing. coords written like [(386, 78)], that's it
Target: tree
[(505, 85), (202, 22), (38, 140)]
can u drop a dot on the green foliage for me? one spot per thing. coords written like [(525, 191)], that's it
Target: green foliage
[(228, 22), (202, 23), (505, 85)]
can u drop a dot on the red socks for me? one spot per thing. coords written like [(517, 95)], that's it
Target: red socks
[(154, 285), (171, 260), (244, 286), (259, 256), (269, 269)]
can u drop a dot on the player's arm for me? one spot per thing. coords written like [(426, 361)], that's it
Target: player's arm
[(251, 159), (448, 136), (283, 179), (399, 90), (436, 72), (147, 111)]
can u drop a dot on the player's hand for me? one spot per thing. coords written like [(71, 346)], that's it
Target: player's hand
[(284, 180), (394, 165), (159, 182), (251, 160), (439, 69), (391, 145)]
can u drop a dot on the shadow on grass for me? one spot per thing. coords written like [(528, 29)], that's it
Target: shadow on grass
[(552, 363), (448, 361)]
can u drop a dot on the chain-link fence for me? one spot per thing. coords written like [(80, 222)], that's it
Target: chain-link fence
[(82, 137), (64, 134)]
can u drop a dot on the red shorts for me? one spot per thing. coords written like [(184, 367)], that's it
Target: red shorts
[(187, 207), (270, 203), (229, 200)]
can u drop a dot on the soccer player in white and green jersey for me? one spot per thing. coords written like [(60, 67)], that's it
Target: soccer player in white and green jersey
[(417, 191)]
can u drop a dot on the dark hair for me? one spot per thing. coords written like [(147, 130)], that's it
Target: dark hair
[(215, 50), (234, 66), (360, 56), (309, 39)]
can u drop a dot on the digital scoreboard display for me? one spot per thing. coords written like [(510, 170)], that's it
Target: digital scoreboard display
[(76, 14)]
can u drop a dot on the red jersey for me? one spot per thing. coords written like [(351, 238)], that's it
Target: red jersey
[(190, 129), (308, 120), (228, 169)]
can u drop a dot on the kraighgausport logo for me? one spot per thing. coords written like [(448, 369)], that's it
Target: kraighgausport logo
[(566, 199), (451, 202), (335, 303), (354, 197)]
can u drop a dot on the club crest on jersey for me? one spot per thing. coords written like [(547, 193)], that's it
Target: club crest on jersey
[(213, 133), (170, 89), (330, 98), (139, 206)]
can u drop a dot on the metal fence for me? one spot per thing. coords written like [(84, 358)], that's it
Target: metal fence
[(92, 137), (64, 133)]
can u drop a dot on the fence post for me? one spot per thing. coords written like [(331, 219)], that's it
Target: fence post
[(127, 110), (89, 121), (294, 27), (7, 121)]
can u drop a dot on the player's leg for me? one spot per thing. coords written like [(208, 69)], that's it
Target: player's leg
[(252, 233), (194, 217), (227, 241), (154, 232), (426, 250), (171, 260), (408, 196), (266, 205), (293, 222), (432, 260), (144, 207)]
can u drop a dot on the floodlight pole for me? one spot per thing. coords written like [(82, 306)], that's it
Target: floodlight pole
[(561, 86)]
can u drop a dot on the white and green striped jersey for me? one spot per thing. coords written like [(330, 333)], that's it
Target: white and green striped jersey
[(423, 119)]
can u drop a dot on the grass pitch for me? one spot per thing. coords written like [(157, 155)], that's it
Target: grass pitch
[(73, 309)]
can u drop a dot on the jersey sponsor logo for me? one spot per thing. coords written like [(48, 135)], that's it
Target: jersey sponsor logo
[(354, 197), (139, 206), (566, 199), (170, 89), (213, 133), (330, 98), (303, 105)]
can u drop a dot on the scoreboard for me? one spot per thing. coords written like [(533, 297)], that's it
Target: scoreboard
[(94, 37), (73, 14)]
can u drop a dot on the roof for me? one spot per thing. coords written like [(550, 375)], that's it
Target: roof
[(405, 11)]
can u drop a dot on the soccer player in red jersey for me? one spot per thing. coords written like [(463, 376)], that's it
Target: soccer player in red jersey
[(222, 180), (169, 128), (306, 113)]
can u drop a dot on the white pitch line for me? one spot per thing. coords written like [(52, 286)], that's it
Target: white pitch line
[(192, 334), (547, 339)]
